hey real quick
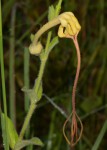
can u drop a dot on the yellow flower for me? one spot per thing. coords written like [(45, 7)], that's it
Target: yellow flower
[(69, 25)]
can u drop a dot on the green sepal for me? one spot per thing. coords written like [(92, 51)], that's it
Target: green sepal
[(12, 134), (23, 143), (51, 13)]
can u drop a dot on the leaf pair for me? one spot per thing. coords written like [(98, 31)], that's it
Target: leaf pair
[(54, 11), (33, 96)]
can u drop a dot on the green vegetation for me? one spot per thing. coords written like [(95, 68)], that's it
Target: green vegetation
[(18, 22)]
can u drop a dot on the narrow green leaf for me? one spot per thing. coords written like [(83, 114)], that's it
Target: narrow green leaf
[(24, 143), (5, 124), (100, 136), (51, 13), (53, 43), (13, 136), (58, 8)]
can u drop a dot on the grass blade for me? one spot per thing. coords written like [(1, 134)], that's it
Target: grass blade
[(5, 139), (100, 136), (12, 68), (6, 9)]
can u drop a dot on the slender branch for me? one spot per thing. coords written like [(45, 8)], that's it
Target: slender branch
[(27, 119)]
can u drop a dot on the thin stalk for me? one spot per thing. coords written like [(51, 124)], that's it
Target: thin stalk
[(51, 131), (43, 62), (33, 105), (27, 119), (77, 72), (3, 82), (12, 67), (26, 84), (41, 71), (26, 77)]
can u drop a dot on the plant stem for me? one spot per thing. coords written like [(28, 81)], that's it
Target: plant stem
[(26, 83), (46, 27), (38, 82), (26, 77), (77, 71), (5, 139), (41, 71), (27, 119), (33, 105), (12, 67), (43, 62)]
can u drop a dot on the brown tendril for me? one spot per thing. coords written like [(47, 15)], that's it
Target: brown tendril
[(75, 135)]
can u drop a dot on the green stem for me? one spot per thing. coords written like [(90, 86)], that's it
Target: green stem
[(26, 77), (43, 62), (26, 83), (12, 68), (41, 71), (33, 105), (38, 82), (5, 139), (27, 119)]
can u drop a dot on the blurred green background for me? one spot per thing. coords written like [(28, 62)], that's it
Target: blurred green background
[(20, 19)]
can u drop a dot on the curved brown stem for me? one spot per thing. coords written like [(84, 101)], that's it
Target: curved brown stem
[(74, 126), (77, 72)]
